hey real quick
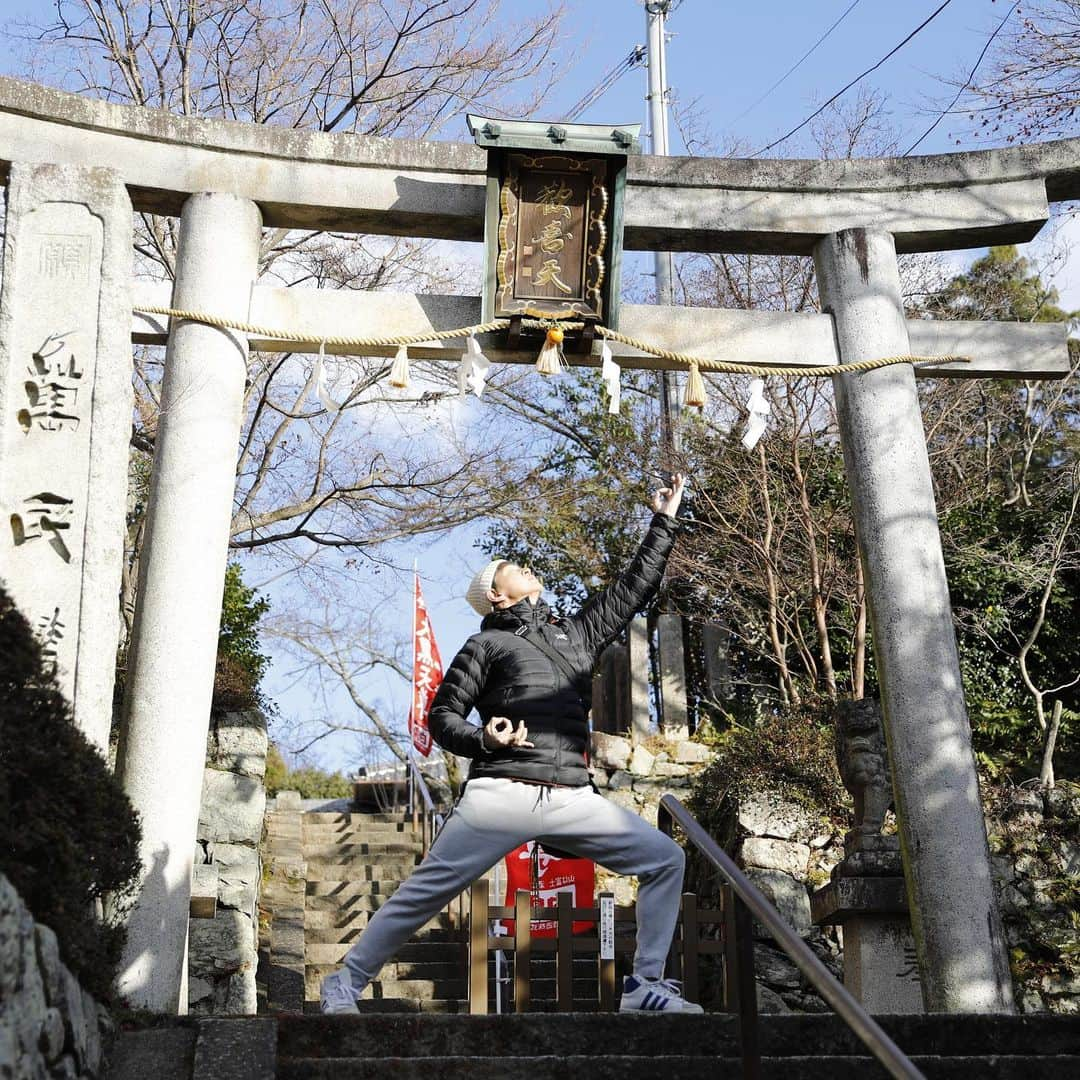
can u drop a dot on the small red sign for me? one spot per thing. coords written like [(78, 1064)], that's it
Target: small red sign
[(574, 876)]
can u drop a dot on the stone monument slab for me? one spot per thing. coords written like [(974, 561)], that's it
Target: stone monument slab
[(65, 420)]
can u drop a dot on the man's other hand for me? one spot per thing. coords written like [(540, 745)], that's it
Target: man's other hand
[(499, 732), (667, 499)]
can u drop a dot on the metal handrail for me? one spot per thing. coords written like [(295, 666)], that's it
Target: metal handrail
[(432, 818), (895, 1061)]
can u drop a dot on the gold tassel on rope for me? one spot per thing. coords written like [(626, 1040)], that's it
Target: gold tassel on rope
[(399, 372), (550, 361), (695, 388)]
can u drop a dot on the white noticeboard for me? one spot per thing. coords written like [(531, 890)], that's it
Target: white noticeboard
[(607, 927)]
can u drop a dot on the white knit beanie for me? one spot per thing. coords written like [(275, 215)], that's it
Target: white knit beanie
[(478, 588)]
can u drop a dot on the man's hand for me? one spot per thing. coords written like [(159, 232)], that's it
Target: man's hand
[(499, 731), (666, 500)]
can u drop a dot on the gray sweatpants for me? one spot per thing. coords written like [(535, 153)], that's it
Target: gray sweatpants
[(495, 816)]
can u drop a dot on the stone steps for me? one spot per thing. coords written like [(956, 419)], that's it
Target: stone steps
[(343, 856), (350, 908), (345, 829), (452, 968), (321, 927), (388, 986), (614, 1047), (339, 817), (432, 950), (715, 1035), (551, 1067), (360, 870), (349, 923), (399, 1006), (418, 1040), (360, 850), (351, 864), (345, 933), (343, 891)]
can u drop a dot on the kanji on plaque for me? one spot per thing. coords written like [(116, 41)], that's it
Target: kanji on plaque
[(427, 672)]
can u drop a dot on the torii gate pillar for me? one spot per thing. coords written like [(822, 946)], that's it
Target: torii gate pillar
[(961, 952), (182, 573)]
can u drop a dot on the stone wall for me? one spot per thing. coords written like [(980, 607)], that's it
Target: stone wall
[(788, 851), (785, 850), (1035, 856), (49, 1026), (635, 776), (223, 949)]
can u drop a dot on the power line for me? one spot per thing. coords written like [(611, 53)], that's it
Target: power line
[(795, 67), (967, 82), (628, 63), (858, 78)]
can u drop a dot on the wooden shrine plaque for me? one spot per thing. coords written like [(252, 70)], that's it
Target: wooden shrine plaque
[(553, 234)]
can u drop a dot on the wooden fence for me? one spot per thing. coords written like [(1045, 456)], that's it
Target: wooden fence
[(602, 942)]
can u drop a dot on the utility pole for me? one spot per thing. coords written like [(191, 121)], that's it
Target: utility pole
[(656, 12)]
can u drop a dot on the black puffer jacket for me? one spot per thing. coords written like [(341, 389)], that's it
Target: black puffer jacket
[(501, 674)]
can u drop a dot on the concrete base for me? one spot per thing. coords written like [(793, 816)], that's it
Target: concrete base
[(880, 965)]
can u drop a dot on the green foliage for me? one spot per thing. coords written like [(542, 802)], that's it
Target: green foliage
[(994, 560), (1000, 287), (70, 833), (310, 781), (240, 663)]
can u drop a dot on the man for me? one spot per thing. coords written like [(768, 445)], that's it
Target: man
[(529, 677)]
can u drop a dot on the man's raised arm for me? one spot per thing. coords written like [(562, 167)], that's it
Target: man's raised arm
[(603, 616)]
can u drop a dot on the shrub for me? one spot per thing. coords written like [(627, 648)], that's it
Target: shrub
[(791, 753), (70, 833)]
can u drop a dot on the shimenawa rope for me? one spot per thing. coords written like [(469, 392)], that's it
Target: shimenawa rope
[(692, 363)]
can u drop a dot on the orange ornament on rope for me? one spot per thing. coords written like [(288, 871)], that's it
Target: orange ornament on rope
[(550, 360)]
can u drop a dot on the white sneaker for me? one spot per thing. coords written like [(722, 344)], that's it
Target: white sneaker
[(336, 995), (641, 995)]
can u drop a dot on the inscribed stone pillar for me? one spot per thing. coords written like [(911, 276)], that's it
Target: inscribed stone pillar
[(669, 642), (178, 607), (637, 642), (65, 421), (714, 651), (620, 690), (943, 838), (602, 716)]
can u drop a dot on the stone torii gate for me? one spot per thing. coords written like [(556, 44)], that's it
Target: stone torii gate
[(75, 168)]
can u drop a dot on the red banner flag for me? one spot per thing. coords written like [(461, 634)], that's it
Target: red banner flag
[(427, 672)]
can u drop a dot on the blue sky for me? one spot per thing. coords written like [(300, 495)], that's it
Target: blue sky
[(722, 57), (725, 55)]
